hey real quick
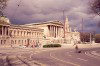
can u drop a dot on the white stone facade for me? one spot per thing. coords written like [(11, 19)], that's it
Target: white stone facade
[(53, 31), (37, 33)]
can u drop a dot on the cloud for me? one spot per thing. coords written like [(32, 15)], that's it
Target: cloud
[(29, 11)]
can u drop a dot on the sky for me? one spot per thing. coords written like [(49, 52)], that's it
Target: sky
[(31, 11)]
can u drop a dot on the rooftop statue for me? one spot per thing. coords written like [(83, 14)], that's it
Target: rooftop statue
[(4, 20)]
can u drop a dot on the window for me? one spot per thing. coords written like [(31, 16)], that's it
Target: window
[(1, 41), (12, 42), (22, 41), (10, 32), (24, 33), (15, 41), (18, 32), (4, 41), (25, 41), (19, 41), (14, 32)]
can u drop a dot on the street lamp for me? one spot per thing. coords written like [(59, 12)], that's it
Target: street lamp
[(90, 38)]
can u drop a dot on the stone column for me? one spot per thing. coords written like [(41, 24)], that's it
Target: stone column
[(53, 31), (56, 31), (12, 32), (5, 31), (31, 33), (59, 31), (21, 33), (2, 30), (8, 31), (50, 31)]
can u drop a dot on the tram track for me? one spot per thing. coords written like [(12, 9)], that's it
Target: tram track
[(18, 60)]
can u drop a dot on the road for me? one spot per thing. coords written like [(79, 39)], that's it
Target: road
[(51, 57), (17, 57), (66, 57)]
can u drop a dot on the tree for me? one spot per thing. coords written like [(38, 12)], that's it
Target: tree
[(85, 37), (95, 7), (97, 38), (3, 4)]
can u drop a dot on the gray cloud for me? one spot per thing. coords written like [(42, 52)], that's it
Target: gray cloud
[(30, 11)]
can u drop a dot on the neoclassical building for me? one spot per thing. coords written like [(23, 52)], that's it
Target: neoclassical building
[(53, 31), (37, 33)]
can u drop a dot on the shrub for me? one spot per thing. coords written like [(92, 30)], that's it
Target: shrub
[(51, 45)]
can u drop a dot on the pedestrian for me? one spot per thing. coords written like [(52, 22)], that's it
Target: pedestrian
[(76, 48)]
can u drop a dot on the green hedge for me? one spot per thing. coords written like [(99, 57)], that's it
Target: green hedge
[(51, 45)]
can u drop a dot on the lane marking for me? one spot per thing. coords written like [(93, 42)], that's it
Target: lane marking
[(82, 59), (64, 61), (41, 64)]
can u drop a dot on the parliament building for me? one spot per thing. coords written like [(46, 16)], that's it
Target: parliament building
[(33, 34)]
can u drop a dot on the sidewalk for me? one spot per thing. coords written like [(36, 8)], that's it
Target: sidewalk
[(71, 46), (64, 46)]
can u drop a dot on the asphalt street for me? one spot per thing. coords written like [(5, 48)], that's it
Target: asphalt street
[(66, 57), (49, 57)]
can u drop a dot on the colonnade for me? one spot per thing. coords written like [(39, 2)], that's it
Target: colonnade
[(25, 33), (55, 31), (5, 30)]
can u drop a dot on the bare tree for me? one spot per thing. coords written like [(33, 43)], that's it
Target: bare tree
[(3, 4), (95, 7)]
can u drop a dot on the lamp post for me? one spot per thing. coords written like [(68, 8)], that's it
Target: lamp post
[(90, 38)]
